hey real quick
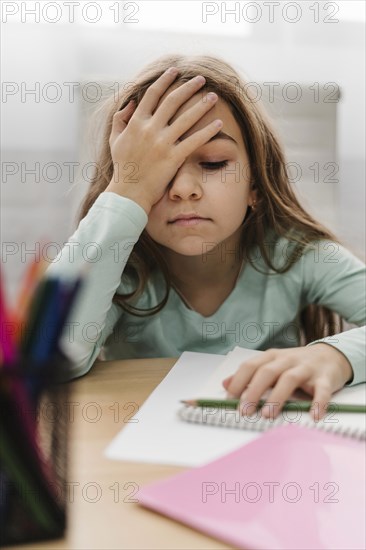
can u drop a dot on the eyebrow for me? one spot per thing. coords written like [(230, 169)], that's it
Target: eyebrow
[(219, 135), (222, 135)]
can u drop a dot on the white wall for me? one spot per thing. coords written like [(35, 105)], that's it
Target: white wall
[(46, 132)]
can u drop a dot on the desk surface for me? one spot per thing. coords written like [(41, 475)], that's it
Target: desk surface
[(101, 511)]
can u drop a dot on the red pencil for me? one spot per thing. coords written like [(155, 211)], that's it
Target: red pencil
[(7, 344)]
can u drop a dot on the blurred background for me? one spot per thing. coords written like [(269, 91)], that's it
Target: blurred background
[(60, 59)]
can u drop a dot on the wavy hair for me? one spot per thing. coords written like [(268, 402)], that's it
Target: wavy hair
[(277, 208)]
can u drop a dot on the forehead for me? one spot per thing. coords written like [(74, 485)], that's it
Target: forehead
[(220, 110)]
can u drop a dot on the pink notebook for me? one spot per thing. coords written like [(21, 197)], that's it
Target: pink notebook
[(291, 488)]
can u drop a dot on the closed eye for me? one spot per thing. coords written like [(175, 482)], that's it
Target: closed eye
[(214, 165)]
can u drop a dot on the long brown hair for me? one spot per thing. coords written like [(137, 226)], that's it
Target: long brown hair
[(277, 209)]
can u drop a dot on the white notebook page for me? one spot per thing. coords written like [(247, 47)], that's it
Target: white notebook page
[(156, 434)]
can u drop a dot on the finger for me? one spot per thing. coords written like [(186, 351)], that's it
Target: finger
[(322, 396), (264, 378), (285, 386), (188, 119), (240, 379), (173, 101), (196, 140), (226, 382), (154, 92), (121, 119)]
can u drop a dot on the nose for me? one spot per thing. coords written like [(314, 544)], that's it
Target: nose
[(185, 185)]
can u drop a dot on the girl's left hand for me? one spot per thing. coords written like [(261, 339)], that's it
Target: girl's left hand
[(319, 370)]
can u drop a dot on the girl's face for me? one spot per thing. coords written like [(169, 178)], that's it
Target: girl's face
[(212, 183)]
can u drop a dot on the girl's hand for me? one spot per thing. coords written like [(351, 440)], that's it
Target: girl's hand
[(145, 148), (319, 370)]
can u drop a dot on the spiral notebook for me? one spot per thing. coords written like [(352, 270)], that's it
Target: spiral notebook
[(144, 437), (292, 488), (351, 424)]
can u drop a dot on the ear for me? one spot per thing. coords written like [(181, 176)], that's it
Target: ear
[(252, 195)]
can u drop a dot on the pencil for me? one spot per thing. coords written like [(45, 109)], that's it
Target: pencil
[(30, 281), (7, 344), (287, 406), (44, 291)]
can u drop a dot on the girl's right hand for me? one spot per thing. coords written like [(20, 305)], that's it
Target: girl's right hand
[(145, 149)]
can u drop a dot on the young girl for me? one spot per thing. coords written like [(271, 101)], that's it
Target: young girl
[(200, 243)]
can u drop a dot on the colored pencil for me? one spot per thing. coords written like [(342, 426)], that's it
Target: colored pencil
[(30, 281), (30, 363), (8, 349), (44, 291), (49, 313)]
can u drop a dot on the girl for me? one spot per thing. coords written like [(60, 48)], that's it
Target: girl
[(202, 245)]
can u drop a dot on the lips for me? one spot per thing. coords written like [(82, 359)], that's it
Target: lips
[(181, 217), (188, 220)]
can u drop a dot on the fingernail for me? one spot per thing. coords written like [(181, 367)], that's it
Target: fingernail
[(200, 79), (245, 409), (172, 70), (211, 96)]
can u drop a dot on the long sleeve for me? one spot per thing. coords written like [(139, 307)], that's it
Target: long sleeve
[(101, 244), (335, 278)]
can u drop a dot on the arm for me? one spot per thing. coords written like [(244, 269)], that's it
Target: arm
[(331, 276), (145, 140), (335, 278), (103, 242)]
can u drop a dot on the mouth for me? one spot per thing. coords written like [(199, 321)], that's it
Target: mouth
[(187, 220)]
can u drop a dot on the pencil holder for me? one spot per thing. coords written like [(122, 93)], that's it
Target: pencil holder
[(33, 450)]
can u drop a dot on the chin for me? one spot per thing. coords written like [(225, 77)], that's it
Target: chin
[(188, 250), (192, 253), (189, 247)]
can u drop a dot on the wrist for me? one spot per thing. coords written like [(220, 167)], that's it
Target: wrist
[(347, 369), (342, 361), (129, 194)]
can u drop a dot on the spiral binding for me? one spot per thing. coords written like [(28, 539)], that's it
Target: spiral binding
[(233, 419)]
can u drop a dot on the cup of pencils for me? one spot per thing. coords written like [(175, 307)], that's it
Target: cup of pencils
[(33, 403)]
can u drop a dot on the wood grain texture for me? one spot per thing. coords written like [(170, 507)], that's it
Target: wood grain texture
[(101, 511)]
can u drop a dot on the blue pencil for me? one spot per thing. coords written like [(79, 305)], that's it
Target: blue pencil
[(49, 315)]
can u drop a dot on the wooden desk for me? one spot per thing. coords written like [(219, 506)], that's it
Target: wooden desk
[(100, 512)]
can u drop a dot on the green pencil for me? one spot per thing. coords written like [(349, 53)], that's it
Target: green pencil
[(287, 406)]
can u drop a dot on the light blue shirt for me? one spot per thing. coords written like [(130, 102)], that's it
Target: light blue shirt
[(261, 312)]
